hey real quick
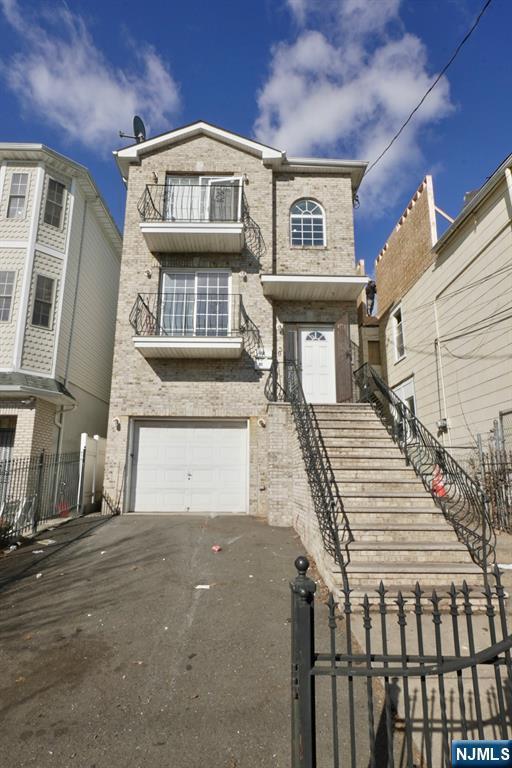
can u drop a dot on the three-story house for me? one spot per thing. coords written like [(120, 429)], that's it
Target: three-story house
[(59, 272), (235, 256)]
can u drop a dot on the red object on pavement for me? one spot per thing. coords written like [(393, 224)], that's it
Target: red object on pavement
[(216, 548), (438, 488)]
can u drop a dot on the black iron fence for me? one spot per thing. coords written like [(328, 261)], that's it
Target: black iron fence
[(284, 385), (397, 682), (36, 489), (459, 496), (214, 202), (195, 314), (495, 474)]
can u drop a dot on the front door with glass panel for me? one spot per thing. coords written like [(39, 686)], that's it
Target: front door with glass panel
[(195, 304), (317, 364)]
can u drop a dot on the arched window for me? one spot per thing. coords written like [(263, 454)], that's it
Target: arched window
[(307, 223), (315, 336)]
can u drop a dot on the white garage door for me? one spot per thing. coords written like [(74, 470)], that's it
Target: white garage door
[(184, 466)]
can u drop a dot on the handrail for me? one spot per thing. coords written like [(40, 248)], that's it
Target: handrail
[(462, 500), (214, 202), (195, 314), (332, 520)]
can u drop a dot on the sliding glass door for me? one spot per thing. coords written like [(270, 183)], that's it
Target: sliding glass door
[(195, 304)]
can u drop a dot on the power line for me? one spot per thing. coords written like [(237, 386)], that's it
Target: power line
[(429, 90)]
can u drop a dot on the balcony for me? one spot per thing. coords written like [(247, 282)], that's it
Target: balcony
[(192, 325), (192, 218)]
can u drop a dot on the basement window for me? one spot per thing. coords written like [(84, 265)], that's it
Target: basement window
[(398, 334)]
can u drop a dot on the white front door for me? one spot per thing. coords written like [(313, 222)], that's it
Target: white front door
[(317, 364)]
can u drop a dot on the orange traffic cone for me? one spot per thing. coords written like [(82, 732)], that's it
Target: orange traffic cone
[(438, 488)]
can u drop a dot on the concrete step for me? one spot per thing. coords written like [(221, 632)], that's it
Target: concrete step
[(362, 432), (363, 442), (377, 485), (380, 516), (381, 502), (384, 459), (346, 422), (348, 417), (342, 407), (393, 531), (362, 552), (344, 473), (404, 575)]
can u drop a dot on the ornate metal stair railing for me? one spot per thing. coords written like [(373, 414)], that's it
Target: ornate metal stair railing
[(462, 500), (284, 385)]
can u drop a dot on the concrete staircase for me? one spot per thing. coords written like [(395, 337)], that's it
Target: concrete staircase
[(400, 535)]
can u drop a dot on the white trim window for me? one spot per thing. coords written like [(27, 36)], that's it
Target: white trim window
[(307, 224), (398, 333), (196, 303), (54, 204), (6, 294), (202, 198), (17, 196), (43, 301)]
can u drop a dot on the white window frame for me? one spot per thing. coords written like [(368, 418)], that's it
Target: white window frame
[(196, 272), (324, 224), (5, 296), (203, 197), (17, 196), (48, 327), (60, 225), (395, 311)]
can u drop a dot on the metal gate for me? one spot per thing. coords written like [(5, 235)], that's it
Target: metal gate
[(400, 677)]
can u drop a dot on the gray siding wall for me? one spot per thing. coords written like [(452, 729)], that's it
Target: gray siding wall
[(470, 380), (12, 260), (39, 343)]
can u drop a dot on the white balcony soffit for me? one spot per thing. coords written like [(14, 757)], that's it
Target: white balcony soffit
[(213, 347), (313, 287), (193, 237)]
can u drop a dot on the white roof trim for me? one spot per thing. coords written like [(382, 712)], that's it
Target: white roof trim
[(320, 279), (270, 156), (484, 190)]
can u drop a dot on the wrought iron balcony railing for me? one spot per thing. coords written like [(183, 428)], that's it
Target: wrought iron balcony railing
[(195, 314), (212, 202), (459, 496), (284, 385)]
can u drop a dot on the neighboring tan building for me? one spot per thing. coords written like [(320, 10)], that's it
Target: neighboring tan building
[(234, 255), (59, 274), (444, 312)]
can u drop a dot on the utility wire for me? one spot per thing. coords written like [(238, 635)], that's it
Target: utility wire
[(427, 92)]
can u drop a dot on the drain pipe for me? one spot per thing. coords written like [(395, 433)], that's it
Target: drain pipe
[(62, 412)]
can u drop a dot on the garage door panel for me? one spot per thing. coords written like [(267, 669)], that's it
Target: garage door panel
[(189, 466)]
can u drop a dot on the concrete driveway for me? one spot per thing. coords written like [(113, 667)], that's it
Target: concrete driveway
[(113, 657)]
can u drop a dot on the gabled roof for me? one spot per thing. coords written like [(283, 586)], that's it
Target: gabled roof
[(270, 156), (31, 152)]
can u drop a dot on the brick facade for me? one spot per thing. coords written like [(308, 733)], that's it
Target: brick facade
[(228, 389)]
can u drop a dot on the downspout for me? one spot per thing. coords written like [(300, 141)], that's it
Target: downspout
[(439, 360), (59, 418)]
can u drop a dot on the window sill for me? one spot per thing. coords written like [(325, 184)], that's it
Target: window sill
[(399, 359), (308, 247)]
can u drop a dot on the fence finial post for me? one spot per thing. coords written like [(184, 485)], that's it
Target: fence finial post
[(303, 659)]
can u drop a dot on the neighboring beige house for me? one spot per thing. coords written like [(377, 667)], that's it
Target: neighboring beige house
[(59, 274), (445, 313), (234, 254)]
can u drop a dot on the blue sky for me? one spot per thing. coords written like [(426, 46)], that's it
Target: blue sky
[(323, 77)]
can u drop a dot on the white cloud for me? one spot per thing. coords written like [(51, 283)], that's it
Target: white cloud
[(345, 88), (62, 77)]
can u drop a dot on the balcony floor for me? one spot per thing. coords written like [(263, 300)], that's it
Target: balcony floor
[(207, 347)]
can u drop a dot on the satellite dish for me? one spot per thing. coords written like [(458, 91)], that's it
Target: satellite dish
[(139, 129)]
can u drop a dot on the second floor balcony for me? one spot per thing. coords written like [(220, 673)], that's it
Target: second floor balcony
[(192, 325), (194, 217)]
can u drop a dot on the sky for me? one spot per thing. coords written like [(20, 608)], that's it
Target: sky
[(329, 78)]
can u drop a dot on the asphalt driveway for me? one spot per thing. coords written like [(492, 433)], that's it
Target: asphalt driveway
[(110, 655)]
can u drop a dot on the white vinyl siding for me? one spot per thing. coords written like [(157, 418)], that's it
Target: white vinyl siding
[(196, 467)]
